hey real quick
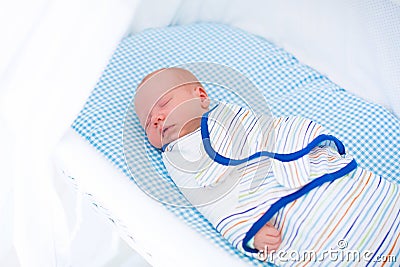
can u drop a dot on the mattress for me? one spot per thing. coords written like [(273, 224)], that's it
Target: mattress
[(369, 132)]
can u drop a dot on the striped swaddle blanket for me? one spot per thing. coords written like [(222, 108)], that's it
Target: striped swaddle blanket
[(241, 171)]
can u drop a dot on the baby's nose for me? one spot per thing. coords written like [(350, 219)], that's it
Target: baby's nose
[(159, 118)]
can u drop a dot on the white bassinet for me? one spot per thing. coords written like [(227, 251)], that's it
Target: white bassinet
[(93, 153)]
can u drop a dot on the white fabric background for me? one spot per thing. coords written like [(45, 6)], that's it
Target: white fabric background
[(354, 42), (53, 51)]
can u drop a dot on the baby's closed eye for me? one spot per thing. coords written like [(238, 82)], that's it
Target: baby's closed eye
[(164, 102)]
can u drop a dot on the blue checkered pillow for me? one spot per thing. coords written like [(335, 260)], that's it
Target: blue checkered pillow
[(369, 132)]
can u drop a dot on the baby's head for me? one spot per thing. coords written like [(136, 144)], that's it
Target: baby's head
[(169, 103)]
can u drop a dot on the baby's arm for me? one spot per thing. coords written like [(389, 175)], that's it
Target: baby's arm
[(268, 238)]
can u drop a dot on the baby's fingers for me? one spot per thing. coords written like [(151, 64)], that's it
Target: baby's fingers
[(267, 243), (268, 238), (271, 230)]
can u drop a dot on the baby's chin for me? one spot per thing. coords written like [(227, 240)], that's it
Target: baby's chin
[(170, 137), (175, 133)]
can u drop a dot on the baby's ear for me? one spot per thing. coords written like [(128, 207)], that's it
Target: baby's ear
[(205, 101)]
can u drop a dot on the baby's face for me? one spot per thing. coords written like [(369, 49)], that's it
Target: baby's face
[(173, 114)]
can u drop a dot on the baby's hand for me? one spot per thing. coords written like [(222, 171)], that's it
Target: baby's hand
[(267, 238)]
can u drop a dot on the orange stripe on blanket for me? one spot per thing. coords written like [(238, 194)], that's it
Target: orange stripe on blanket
[(284, 219), (235, 130), (341, 219), (391, 250)]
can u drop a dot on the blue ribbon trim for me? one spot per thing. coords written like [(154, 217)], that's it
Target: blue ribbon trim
[(205, 135), (329, 177)]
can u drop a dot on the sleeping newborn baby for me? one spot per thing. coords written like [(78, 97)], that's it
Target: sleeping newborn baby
[(267, 183)]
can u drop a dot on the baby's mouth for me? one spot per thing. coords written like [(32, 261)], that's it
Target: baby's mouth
[(165, 129)]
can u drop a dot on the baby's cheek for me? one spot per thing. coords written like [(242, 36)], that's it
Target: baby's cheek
[(154, 138)]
